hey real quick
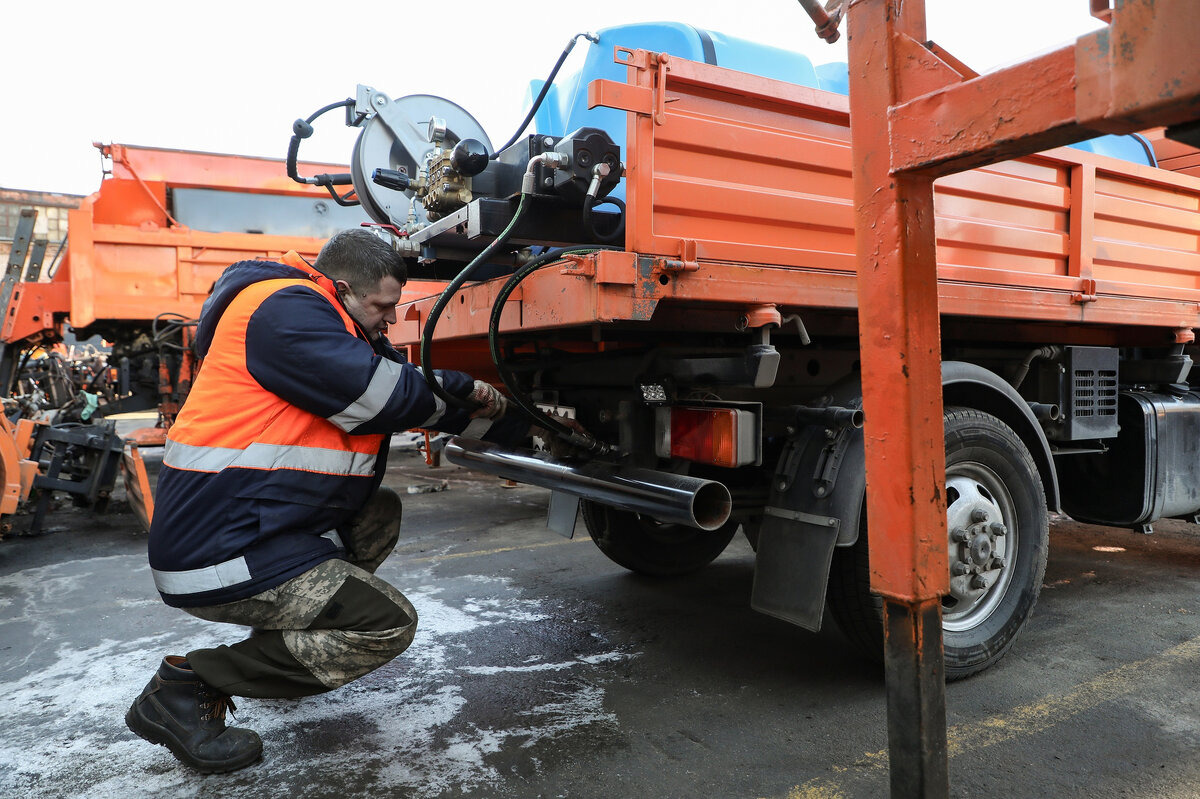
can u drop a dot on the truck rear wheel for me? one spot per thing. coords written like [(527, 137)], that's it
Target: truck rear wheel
[(998, 544), (649, 547)]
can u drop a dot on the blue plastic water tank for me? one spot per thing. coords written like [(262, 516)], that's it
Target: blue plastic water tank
[(1131, 147), (565, 107)]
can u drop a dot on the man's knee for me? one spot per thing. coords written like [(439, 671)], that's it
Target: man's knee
[(374, 530), (383, 510), (359, 605)]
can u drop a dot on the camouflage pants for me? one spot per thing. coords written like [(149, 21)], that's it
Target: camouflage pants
[(322, 629)]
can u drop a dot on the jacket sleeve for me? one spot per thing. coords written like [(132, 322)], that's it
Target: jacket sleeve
[(297, 347)]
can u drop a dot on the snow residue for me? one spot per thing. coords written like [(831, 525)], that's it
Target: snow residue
[(590, 660), (408, 728)]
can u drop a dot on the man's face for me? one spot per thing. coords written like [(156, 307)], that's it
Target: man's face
[(374, 309)]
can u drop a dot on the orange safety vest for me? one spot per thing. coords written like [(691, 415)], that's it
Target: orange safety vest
[(230, 420), (253, 487)]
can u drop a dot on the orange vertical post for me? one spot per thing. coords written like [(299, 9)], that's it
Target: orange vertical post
[(901, 361), (915, 114)]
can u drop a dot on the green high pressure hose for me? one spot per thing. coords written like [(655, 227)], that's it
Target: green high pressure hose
[(450, 290)]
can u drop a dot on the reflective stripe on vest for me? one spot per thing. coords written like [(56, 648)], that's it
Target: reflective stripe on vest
[(261, 429), (367, 407), (269, 456), (373, 400), (439, 409), (210, 578)]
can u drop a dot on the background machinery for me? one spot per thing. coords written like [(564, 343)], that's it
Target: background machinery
[(140, 258)]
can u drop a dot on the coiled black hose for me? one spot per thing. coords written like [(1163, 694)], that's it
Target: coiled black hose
[(589, 222)]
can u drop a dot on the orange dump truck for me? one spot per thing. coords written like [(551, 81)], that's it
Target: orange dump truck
[(697, 317), (141, 256), (144, 250)]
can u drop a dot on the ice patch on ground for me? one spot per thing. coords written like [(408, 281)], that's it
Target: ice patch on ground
[(590, 660), (405, 728)]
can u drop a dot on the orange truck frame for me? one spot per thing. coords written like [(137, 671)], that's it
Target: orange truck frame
[(719, 345)]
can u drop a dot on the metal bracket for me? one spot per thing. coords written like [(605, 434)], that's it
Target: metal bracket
[(660, 93), (1086, 293), (800, 516), (581, 265), (561, 513), (647, 100)]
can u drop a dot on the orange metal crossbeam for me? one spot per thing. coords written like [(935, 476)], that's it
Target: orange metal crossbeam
[(1137, 73), (1016, 111)]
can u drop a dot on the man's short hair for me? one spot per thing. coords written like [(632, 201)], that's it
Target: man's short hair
[(360, 258)]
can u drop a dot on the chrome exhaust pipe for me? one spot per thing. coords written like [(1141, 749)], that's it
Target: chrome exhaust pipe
[(671, 498)]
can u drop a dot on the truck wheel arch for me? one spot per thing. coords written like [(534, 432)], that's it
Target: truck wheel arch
[(975, 387)]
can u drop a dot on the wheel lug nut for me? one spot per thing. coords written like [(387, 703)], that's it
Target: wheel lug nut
[(979, 515), (959, 569), (959, 535), (978, 582), (998, 529), (997, 563)]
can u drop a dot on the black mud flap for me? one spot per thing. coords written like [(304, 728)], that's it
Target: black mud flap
[(792, 566), (815, 505)]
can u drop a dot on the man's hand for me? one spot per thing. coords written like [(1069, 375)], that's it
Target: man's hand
[(555, 444), (492, 404)]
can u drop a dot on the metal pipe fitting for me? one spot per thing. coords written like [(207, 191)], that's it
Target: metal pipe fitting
[(550, 159), (832, 416)]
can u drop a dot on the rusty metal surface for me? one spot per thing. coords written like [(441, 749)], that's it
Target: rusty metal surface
[(1139, 72), (918, 754), (899, 332)]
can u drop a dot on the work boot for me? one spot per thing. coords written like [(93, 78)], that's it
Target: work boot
[(180, 711)]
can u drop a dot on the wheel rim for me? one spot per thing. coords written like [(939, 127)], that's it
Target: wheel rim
[(981, 518)]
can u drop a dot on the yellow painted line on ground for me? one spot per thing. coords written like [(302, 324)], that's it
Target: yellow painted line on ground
[(1028, 719), (484, 552)]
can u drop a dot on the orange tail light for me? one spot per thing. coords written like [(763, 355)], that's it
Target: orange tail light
[(720, 436)]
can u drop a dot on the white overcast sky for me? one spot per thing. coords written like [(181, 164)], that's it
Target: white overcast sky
[(223, 76)]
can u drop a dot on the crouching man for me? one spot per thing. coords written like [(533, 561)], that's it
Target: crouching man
[(269, 511)]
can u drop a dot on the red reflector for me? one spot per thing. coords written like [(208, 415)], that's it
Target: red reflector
[(708, 435)]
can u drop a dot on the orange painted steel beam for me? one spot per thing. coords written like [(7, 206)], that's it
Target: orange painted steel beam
[(1005, 114), (900, 350), (1141, 71), (1137, 73), (898, 318)]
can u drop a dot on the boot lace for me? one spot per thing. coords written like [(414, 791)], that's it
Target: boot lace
[(215, 705)]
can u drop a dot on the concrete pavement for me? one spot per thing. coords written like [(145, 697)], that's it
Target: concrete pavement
[(540, 669)]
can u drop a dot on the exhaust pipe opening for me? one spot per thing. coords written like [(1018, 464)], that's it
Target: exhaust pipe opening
[(711, 506)]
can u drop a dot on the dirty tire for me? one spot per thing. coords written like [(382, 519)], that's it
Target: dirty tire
[(989, 472), (649, 547)]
